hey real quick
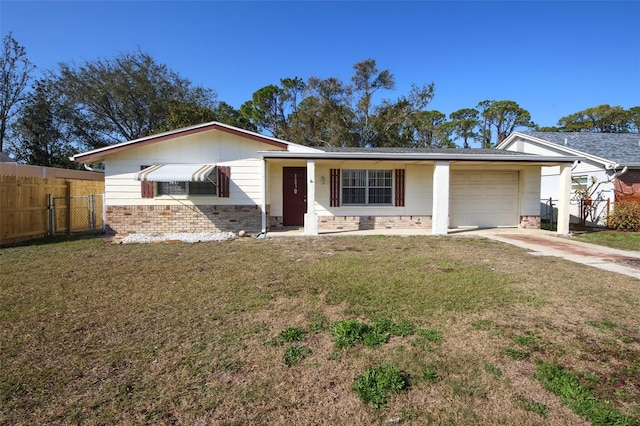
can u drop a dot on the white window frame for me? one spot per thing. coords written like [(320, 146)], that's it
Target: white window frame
[(367, 187)]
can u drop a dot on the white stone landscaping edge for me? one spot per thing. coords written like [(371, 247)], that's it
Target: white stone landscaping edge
[(195, 237)]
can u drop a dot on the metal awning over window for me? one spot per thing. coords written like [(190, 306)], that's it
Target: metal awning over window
[(177, 173)]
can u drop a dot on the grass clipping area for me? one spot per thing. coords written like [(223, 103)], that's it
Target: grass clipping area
[(445, 330)]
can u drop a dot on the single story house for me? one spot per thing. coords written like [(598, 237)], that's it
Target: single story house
[(214, 177), (610, 167)]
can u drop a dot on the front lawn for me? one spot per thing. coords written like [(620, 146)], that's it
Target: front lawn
[(327, 330), (615, 239)]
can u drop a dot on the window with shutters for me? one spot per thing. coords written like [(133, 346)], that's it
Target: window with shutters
[(367, 187)]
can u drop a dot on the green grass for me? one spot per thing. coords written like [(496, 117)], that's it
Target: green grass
[(578, 397), (99, 333), (614, 239)]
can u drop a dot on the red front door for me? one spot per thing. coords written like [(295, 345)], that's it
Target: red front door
[(294, 194)]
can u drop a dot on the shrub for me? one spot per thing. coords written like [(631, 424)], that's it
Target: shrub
[(625, 216)]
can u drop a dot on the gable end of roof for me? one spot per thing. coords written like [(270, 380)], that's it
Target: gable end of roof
[(97, 155)]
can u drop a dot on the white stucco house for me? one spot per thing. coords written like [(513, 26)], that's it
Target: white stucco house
[(610, 167), (214, 177)]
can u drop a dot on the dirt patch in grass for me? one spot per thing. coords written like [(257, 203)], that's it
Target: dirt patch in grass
[(92, 332)]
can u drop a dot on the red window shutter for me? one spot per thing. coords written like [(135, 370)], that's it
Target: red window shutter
[(334, 188), (224, 180), (146, 188), (399, 188)]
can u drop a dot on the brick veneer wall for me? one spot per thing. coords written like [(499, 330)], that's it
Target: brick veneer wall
[(627, 186), (276, 222), (530, 222), (352, 223), (165, 219)]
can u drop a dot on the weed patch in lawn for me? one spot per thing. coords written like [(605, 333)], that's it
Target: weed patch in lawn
[(318, 323), (530, 405), (578, 397), (434, 336), (293, 334), (493, 370), (603, 325), (430, 375), (376, 383), (517, 354), (347, 333), (483, 324), (530, 341), (296, 353)]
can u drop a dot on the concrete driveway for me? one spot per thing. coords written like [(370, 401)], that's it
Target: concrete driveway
[(545, 243)]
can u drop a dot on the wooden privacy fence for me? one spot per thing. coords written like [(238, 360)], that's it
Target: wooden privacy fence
[(26, 205)]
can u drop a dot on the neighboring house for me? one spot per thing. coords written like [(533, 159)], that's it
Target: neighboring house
[(213, 177), (610, 168)]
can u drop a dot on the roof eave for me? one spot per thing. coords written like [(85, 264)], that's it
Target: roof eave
[(417, 156)]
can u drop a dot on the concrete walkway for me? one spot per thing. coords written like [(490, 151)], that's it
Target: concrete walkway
[(547, 244), (539, 242)]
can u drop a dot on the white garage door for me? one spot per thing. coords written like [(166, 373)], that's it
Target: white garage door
[(484, 199)]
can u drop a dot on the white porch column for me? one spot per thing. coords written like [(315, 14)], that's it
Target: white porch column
[(263, 213), (310, 217), (440, 211), (564, 195)]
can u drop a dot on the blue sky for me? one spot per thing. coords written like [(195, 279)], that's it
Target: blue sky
[(553, 58)]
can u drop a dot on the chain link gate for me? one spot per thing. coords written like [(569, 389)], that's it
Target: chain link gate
[(76, 214)]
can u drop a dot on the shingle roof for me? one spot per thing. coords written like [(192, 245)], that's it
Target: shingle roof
[(399, 150), (621, 148)]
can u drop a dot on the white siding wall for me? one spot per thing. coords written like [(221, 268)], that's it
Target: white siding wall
[(203, 148), (530, 191), (418, 188)]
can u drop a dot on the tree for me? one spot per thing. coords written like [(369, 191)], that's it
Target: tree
[(634, 119), (327, 113), (366, 81), (225, 113), (40, 132), (430, 129), (464, 122), (181, 114), (265, 110), (504, 116), (124, 98), (15, 74), (602, 119)]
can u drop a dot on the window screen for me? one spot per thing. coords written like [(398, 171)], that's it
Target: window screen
[(367, 187)]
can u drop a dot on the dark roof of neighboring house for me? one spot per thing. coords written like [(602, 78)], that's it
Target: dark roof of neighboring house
[(621, 148)]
